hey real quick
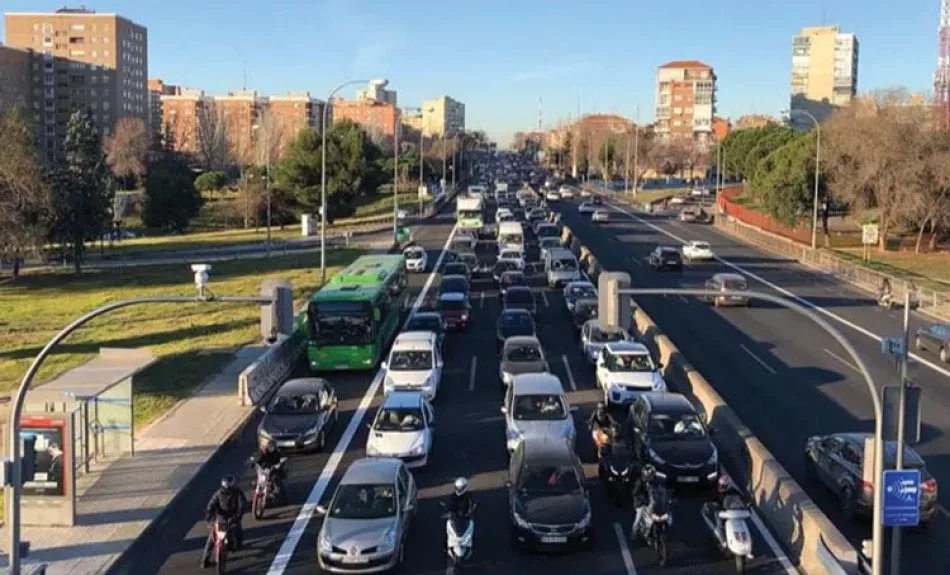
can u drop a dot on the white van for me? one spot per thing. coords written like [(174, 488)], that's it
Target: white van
[(415, 364), (560, 267), (510, 236)]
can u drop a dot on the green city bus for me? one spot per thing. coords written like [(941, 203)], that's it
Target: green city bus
[(352, 319)]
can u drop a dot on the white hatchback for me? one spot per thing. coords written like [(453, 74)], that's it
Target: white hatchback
[(516, 256), (697, 251), (402, 428), (416, 259), (415, 364), (587, 208)]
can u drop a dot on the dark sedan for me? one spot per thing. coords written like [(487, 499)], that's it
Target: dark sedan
[(502, 266), (520, 297), (511, 279), (935, 338), (458, 268), (665, 258), (454, 284), (300, 415), (837, 460), (455, 311), (514, 322), (427, 321)]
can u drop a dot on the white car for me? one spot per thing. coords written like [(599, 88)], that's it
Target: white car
[(585, 193), (402, 428), (552, 196), (699, 192), (587, 208), (415, 364), (566, 193), (502, 213), (536, 406), (516, 256), (601, 215), (416, 259), (625, 370), (677, 200), (547, 244), (697, 251)]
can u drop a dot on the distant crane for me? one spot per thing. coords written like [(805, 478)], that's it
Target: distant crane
[(942, 73)]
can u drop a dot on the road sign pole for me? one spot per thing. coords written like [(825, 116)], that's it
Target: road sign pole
[(901, 416)]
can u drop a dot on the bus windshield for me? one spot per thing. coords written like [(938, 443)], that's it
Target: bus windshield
[(341, 323), (468, 214)]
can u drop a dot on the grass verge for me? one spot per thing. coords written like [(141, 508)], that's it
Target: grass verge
[(928, 270), (190, 341), (644, 198)]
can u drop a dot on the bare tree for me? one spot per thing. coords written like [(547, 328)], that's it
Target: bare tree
[(24, 193), (212, 136), (127, 149), (269, 135)]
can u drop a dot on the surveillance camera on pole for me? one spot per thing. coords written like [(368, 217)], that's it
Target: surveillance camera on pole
[(201, 277)]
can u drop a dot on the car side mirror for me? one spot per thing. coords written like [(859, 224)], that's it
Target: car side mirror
[(263, 408), (504, 410), (409, 508), (321, 511), (384, 365)]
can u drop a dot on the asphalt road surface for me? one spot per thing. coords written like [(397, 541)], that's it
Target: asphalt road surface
[(782, 374), (470, 441)]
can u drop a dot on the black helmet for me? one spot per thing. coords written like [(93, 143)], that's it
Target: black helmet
[(648, 472), (601, 408), (270, 445), (227, 482)]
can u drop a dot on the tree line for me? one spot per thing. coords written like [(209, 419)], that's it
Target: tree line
[(883, 156)]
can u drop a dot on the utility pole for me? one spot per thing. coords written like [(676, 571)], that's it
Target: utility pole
[(396, 178), (626, 166), (896, 532), (636, 153)]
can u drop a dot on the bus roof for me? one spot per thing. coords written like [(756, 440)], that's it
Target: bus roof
[(362, 279)]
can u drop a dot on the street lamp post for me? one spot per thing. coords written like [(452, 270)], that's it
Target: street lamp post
[(323, 175), (396, 179), (266, 177), (814, 216)]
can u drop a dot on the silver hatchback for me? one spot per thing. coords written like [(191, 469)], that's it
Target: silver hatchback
[(365, 526)]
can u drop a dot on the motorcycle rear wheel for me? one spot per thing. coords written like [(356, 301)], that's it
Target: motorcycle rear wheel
[(661, 549), (221, 559), (258, 506)]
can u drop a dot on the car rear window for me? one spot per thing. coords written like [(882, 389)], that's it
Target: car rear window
[(735, 284)]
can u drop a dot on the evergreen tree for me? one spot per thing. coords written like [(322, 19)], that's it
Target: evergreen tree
[(171, 200)]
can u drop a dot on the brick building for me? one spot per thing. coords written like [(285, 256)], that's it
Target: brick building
[(292, 113), (377, 118), (15, 92), (685, 101), (156, 89), (180, 113)]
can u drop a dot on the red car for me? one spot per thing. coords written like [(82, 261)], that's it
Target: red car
[(455, 310)]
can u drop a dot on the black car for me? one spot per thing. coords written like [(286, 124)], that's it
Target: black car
[(511, 279), (300, 415), (454, 284), (548, 505), (502, 266), (935, 337), (548, 231), (667, 431), (457, 268), (427, 321), (520, 297), (597, 201), (514, 322), (666, 258)]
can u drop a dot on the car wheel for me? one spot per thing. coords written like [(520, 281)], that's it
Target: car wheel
[(943, 355), (847, 502), (321, 440)]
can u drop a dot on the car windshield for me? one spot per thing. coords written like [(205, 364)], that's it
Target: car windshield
[(670, 255), (523, 352), (454, 285), (399, 419), (469, 214), (298, 404), (424, 323), (735, 284), (549, 242), (630, 362), (414, 254), (547, 480), (566, 264), (598, 335), (541, 407), (681, 426), (364, 502), (511, 255), (341, 323), (410, 360), (452, 305), (519, 296), (516, 239), (583, 292), (701, 246)]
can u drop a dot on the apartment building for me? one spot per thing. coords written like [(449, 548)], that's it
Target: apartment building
[(240, 111), (15, 92), (824, 71), (87, 60), (685, 101), (412, 123), (377, 92), (180, 116), (292, 113), (156, 89), (377, 118), (442, 115), (721, 128), (754, 121)]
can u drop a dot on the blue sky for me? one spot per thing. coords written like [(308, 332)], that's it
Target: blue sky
[(499, 57)]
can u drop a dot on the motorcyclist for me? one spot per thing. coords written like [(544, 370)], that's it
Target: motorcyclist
[(461, 503), (641, 496), (885, 292), (228, 504), (268, 457), (729, 498), (601, 420)]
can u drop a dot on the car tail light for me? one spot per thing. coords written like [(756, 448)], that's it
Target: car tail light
[(930, 486)]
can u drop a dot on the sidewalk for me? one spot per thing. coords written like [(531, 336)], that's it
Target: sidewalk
[(118, 500)]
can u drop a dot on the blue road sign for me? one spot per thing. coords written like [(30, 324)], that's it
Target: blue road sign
[(901, 498)]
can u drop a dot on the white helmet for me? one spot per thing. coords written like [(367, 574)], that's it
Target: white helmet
[(461, 485)]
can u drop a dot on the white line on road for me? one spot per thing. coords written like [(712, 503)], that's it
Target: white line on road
[(773, 545), (842, 360), (758, 359), (789, 294), (286, 551), (471, 374), (544, 296), (636, 260), (625, 550), (570, 376)]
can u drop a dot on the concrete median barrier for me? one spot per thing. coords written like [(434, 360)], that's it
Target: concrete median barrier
[(261, 377), (794, 517), (566, 236)]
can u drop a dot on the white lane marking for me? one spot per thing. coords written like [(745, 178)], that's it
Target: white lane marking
[(636, 260), (773, 545), (471, 374), (570, 376), (286, 551), (544, 296), (842, 360), (758, 359), (790, 294), (625, 550)]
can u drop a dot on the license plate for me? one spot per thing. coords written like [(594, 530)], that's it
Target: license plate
[(553, 539), (286, 443), (688, 479), (355, 560)]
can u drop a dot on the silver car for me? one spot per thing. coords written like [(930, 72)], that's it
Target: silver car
[(594, 337), (365, 526), (536, 406)]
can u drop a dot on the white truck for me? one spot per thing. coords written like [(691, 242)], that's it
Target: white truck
[(469, 214)]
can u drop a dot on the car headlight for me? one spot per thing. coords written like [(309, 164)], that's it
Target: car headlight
[(388, 542), (312, 431), (519, 521), (513, 435), (372, 450), (464, 317), (417, 450), (656, 457), (325, 543), (584, 523), (264, 433)]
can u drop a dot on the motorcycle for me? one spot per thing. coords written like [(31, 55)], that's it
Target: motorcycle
[(221, 533), (730, 531), (265, 488), (656, 522), (459, 536), (889, 302), (618, 469)]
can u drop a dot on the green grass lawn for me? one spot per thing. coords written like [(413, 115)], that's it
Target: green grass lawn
[(650, 196), (190, 341), (930, 270)]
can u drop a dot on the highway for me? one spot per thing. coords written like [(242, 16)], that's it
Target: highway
[(470, 441), (784, 377)]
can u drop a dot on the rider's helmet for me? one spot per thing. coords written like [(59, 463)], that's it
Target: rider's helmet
[(601, 409), (227, 482), (269, 446), (725, 484), (461, 486), (648, 473)]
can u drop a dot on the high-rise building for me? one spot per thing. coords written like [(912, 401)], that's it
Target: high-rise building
[(180, 116), (156, 89), (292, 113), (15, 66), (824, 71), (88, 61), (377, 118), (685, 101), (239, 111), (441, 116)]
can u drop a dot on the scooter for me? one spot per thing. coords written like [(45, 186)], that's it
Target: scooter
[(732, 536), (265, 488), (656, 523), (459, 536)]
